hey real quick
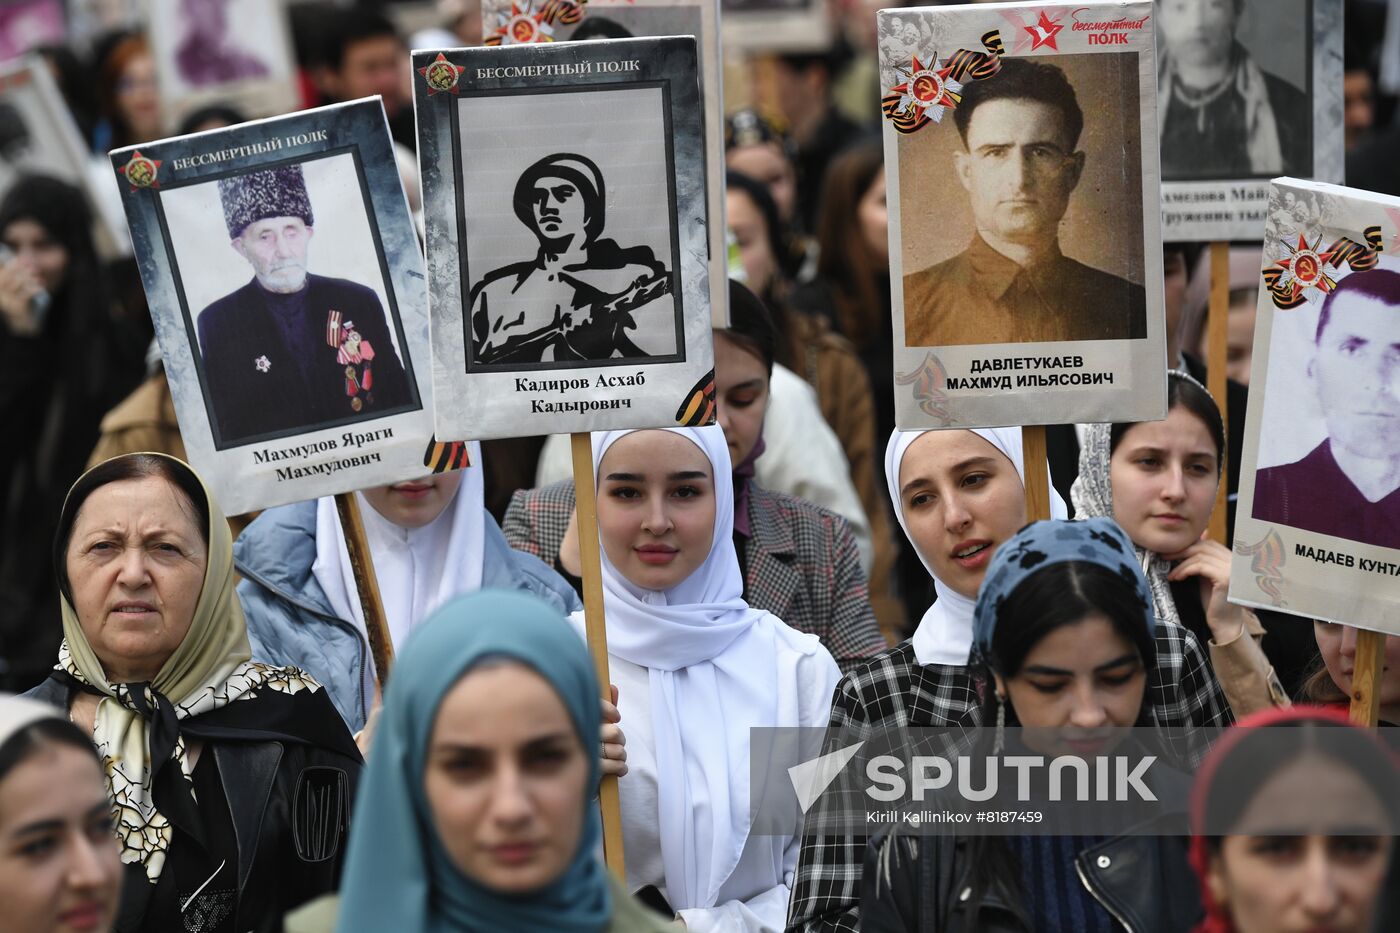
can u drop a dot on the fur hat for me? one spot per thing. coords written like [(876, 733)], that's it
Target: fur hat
[(274, 192)]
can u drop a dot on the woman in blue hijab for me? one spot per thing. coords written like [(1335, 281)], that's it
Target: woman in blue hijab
[(476, 811)]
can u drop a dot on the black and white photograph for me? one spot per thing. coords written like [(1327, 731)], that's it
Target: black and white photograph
[(1321, 466), (759, 26), (1249, 90), (567, 234), (286, 286), (1020, 173), (627, 19), (228, 51), (574, 259), (295, 323)]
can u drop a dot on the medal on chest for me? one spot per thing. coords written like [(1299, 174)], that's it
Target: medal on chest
[(355, 354)]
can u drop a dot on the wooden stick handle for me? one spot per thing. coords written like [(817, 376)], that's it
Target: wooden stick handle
[(1217, 356), (381, 646), (586, 504), (1035, 465), (1366, 678)]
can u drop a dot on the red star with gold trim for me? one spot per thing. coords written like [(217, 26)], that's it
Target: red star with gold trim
[(141, 172), (441, 75), (1043, 32), (1306, 267)]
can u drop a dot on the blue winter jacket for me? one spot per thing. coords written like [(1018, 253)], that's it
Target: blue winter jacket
[(290, 621)]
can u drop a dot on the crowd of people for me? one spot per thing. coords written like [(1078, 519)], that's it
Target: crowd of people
[(204, 742)]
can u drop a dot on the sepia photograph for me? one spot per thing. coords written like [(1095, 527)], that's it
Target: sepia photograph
[(1038, 235), (285, 287), (570, 239), (1233, 76)]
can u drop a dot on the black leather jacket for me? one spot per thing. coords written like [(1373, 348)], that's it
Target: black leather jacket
[(274, 791)]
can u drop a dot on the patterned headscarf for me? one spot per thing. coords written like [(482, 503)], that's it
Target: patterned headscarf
[(1092, 495), (141, 728), (1042, 544)]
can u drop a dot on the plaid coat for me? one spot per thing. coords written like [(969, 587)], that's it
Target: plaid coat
[(801, 563), (895, 690)]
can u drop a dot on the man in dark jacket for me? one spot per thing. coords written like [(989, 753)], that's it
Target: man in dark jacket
[(290, 351)]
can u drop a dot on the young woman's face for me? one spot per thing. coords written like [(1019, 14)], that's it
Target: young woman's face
[(60, 867), (505, 779), (766, 163), (1077, 686), (36, 250), (1164, 475), (961, 498), (656, 507), (751, 233), (741, 389), (873, 217), (1337, 645), (137, 98), (416, 502), (1293, 872)]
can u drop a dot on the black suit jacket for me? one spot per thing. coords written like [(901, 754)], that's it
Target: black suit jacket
[(246, 401)]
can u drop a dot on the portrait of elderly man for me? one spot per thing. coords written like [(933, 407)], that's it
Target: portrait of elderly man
[(1020, 165), (1349, 485), (291, 350), (580, 294), (1222, 115)]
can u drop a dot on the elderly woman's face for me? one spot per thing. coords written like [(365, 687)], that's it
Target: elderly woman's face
[(136, 562), (505, 778)]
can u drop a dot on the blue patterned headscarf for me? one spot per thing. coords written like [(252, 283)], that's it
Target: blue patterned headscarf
[(398, 875), (1041, 544)]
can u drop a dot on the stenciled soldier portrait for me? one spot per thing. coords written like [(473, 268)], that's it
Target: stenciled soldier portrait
[(1018, 159), (1234, 106), (571, 244), (289, 349), (581, 293)]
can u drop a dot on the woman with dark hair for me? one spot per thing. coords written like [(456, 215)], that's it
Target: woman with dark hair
[(807, 346), (799, 561), (64, 361), (1158, 480), (1063, 640), (217, 764), (1267, 865), (755, 148), (59, 866), (130, 102)]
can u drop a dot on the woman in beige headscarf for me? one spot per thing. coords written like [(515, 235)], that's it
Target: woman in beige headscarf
[(231, 779)]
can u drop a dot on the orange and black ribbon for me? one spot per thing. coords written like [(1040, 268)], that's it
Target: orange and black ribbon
[(698, 409), (1358, 257), (445, 456)]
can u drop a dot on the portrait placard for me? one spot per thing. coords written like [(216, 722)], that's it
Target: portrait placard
[(1249, 90), (236, 52), (38, 136), (757, 26), (26, 24), (564, 194), (1025, 248), (1317, 531), (287, 291), (509, 22)]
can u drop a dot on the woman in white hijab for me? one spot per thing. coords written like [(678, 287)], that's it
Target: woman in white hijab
[(431, 539), (959, 495), (696, 668)]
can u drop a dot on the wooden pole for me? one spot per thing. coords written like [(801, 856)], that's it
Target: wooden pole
[(1366, 678), (586, 504), (1035, 464), (381, 646), (1217, 355)]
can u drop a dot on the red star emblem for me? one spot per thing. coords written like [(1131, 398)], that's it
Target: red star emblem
[(1043, 32), (1306, 267), (441, 75), (141, 171)]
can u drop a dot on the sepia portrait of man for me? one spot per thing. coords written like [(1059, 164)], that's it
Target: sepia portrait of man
[(578, 296), (1349, 485), (1020, 165), (1223, 114), (291, 349)]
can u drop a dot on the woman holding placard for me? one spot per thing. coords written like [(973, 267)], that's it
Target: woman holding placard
[(1158, 480), (959, 495), (1063, 638), (431, 539), (1266, 864), (696, 669)]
